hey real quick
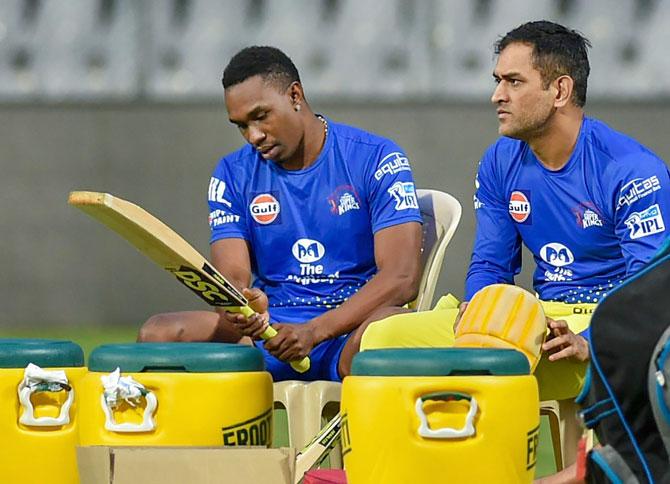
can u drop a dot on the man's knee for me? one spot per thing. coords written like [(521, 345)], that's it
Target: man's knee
[(160, 328)]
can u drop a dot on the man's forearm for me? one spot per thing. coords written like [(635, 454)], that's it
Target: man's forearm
[(383, 290)]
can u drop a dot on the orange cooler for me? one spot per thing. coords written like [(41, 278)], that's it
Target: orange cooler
[(38, 425), (440, 415), (195, 394)]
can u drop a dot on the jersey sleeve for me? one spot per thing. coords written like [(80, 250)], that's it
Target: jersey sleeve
[(227, 214), (496, 253), (641, 205), (391, 191)]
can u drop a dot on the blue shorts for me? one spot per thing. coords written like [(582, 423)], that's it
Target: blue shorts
[(324, 360)]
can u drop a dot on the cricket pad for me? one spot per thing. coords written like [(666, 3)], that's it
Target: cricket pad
[(504, 316)]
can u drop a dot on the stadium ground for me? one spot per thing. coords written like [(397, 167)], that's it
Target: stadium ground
[(88, 337)]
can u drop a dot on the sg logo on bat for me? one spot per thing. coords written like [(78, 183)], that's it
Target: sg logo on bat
[(206, 290)]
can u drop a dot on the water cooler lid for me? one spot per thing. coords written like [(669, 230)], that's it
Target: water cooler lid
[(46, 353), (440, 362), (176, 357)]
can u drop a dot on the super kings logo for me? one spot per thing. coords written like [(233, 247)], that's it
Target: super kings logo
[(519, 206), (264, 208)]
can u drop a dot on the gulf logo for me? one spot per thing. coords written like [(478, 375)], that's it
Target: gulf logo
[(264, 208), (519, 206)]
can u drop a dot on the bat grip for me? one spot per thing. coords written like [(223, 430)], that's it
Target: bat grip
[(301, 366)]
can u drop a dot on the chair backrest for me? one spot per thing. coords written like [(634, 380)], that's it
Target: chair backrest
[(441, 213)]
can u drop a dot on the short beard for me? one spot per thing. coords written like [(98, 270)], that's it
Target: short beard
[(534, 128)]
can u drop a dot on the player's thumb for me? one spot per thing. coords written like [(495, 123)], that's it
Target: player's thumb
[(258, 301)]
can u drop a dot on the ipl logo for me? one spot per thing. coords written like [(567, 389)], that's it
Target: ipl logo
[(646, 222), (404, 195)]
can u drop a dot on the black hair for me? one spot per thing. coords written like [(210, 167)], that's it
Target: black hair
[(557, 51), (268, 62)]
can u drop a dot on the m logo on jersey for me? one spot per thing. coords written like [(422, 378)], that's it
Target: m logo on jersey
[(637, 189), (392, 164), (519, 206), (216, 189), (264, 208), (556, 254), (404, 195), (308, 250), (647, 222)]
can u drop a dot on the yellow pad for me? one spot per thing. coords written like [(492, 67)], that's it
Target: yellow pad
[(504, 316)]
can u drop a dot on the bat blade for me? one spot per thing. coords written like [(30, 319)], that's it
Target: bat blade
[(316, 451), (161, 244)]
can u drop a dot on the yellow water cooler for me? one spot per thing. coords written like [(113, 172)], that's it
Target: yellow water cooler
[(176, 394), (452, 415), (38, 410)]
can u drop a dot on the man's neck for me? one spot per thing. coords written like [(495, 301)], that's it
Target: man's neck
[(555, 144), (310, 146)]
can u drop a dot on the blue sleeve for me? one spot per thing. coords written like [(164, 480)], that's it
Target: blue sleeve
[(586, 334), (391, 192), (227, 213), (642, 201), (496, 253)]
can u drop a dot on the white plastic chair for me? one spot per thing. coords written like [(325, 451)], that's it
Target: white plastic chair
[(565, 428), (309, 408), (441, 213)]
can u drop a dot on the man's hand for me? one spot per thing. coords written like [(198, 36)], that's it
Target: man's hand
[(254, 325), (461, 310), (563, 343), (292, 342)]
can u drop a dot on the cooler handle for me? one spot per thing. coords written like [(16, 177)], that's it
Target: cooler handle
[(28, 415), (147, 424), (468, 429)]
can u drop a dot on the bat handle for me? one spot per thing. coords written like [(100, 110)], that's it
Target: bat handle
[(301, 366)]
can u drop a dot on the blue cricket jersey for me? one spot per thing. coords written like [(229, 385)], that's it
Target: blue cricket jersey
[(588, 225), (311, 231)]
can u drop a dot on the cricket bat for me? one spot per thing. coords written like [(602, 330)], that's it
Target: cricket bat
[(498, 316), (316, 451), (170, 251)]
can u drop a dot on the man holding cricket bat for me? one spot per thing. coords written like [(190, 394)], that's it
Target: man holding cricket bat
[(317, 220)]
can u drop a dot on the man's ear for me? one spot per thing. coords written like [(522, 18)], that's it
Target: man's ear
[(564, 86), (296, 93)]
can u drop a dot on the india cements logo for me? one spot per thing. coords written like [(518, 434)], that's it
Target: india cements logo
[(556, 254), (308, 250)]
